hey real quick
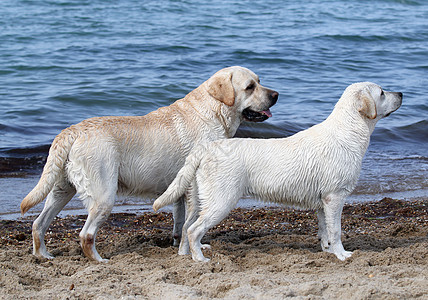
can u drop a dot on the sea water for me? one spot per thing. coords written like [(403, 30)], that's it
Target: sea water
[(62, 61)]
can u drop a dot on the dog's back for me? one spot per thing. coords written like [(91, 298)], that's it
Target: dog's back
[(300, 170)]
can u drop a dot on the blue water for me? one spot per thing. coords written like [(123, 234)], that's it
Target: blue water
[(65, 61)]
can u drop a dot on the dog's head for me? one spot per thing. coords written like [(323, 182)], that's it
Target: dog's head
[(371, 101), (240, 88)]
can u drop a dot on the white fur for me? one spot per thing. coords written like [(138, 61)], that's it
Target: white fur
[(101, 157), (316, 168)]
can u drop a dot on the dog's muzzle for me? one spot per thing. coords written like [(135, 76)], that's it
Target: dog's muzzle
[(263, 115)]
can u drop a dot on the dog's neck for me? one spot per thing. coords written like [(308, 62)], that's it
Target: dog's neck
[(214, 111), (355, 129)]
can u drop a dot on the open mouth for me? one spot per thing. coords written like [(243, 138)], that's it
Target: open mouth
[(387, 115), (256, 116)]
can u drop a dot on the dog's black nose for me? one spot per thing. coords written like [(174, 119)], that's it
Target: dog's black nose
[(273, 97), (400, 94)]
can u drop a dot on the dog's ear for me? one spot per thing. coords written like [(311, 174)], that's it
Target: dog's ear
[(367, 104), (220, 87)]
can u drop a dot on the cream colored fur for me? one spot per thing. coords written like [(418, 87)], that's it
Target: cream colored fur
[(316, 168), (101, 157)]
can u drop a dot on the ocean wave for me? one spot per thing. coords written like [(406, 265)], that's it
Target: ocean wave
[(18, 162), (267, 130), (404, 2), (412, 133), (67, 61), (409, 134), (412, 158)]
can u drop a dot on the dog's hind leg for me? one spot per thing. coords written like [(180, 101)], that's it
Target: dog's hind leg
[(184, 243), (99, 203), (322, 230), (213, 210), (93, 169), (98, 212), (179, 214), (60, 195), (195, 234), (198, 229), (98, 182), (192, 216)]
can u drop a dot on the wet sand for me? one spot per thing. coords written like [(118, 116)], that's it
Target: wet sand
[(264, 253)]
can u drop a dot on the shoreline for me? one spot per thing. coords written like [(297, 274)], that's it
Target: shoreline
[(268, 252), (137, 205)]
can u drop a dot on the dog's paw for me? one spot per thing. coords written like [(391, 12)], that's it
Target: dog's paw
[(201, 259), (44, 254), (48, 256), (198, 256), (325, 246), (205, 246), (343, 255)]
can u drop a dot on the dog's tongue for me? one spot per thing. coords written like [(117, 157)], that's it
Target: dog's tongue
[(267, 113)]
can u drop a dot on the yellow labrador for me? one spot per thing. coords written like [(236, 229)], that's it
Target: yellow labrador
[(316, 168), (141, 155)]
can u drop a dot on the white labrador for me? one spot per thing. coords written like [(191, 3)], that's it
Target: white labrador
[(141, 155), (316, 168)]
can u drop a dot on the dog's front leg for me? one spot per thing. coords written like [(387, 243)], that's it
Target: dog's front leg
[(333, 205)]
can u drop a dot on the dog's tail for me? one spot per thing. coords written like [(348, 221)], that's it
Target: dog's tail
[(183, 179), (55, 164)]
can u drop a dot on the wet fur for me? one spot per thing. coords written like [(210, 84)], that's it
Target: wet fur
[(101, 157), (316, 168)]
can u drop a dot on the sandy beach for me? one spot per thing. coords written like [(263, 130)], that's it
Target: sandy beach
[(263, 253), (62, 62)]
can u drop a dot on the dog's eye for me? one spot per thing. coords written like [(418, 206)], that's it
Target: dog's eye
[(382, 93), (251, 86)]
